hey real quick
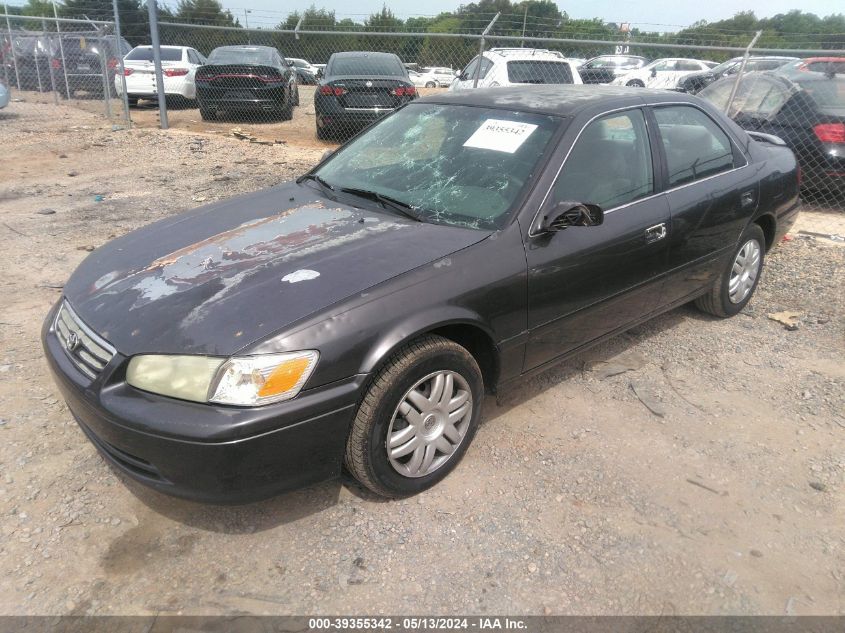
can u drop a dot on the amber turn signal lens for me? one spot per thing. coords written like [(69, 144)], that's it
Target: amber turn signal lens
[(284, 377)]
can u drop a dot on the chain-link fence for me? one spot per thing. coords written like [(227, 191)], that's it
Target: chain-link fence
[(57, 60), (310, 85)]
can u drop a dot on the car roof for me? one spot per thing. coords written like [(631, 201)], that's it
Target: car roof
[(556, 99), (364, 54), (245, 47)]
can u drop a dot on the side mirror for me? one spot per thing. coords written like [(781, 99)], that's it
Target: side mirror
[(458, 73), (289, 63), (568, 213), (654, 72), (319, 73)]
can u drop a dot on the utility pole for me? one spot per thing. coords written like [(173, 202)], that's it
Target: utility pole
[(246, 25)]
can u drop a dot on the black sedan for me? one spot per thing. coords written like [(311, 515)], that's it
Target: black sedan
[(246, 79), (806, 109), (696, 82), (358, 315), (357, 89)]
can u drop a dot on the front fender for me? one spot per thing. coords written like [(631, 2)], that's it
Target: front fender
[(417, 324)]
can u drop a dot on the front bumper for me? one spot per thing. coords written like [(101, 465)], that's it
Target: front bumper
[(202, 452)]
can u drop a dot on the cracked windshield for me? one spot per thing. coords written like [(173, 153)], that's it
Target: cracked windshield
[(451, 164)]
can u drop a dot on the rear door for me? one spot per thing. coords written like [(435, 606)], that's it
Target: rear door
[(585, 282), (711, 195)]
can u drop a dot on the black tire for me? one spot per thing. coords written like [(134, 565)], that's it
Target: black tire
[(133, 101), (430, 84), (366, 454), (323, 133), (296, 96), (286, 111), (635, 83), (207, 114), (717, 300)]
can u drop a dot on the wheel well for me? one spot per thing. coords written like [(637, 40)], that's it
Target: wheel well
[(478, 343), (767, 223)]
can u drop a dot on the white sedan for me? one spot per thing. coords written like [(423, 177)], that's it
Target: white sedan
[(178, 65), (662, 73)]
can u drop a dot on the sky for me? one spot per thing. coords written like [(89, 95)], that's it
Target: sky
[(653, 15)]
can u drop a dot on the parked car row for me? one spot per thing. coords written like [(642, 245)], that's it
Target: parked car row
[(68, 63)]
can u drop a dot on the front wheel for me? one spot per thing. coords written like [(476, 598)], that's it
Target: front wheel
[(417, 418), (635, 83), (736, 285), (430, 84)]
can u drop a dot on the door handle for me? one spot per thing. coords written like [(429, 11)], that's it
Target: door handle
[(655, 233)]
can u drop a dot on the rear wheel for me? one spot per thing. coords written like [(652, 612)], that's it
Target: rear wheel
[(736, 285), (417, 419), (323, 133), (430, 84), (206, 113), (635, 83), (133, 101), (296, 96)]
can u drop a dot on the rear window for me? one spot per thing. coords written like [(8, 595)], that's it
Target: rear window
[(827, 67), (364, 65), (539, 72), (146, 55), (257, 56), (828, 94)]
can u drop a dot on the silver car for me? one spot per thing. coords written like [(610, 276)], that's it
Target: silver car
[(5, 95)]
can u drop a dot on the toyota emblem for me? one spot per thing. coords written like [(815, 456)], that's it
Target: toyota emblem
[(72, 341), (369, 84)]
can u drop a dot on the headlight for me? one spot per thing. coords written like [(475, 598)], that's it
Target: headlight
[(256, 380), (185, 377), (244, 381)]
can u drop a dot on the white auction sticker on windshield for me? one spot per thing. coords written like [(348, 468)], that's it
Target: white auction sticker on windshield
[(500, 135)]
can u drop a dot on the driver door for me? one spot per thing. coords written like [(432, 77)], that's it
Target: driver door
[(588, 281)]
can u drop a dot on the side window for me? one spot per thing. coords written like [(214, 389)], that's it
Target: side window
[(686, 65), (695, 146), (193, 57), (664, 66), (610, 164), (470, 70)]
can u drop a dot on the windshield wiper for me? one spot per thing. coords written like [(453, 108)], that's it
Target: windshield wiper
[(403, 208), (315, 178)]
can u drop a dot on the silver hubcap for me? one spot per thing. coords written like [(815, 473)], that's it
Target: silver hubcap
[(429, 424), (744, 272)]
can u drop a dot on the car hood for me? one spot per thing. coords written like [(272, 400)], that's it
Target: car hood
[(214, 280)]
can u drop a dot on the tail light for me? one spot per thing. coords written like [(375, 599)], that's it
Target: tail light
[(327, 90), (112, 63), (404, 91), (127, 71), (56, 64), (830, 132), (175, 72)]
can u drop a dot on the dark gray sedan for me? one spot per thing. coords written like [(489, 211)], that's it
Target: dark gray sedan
[(358, 315)]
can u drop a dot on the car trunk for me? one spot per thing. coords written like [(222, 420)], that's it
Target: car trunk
[(369, 93), (238, 76)]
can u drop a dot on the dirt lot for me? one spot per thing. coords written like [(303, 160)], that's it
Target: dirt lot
[(574, 498)]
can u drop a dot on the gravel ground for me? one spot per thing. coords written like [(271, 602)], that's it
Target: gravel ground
[(574, 498)]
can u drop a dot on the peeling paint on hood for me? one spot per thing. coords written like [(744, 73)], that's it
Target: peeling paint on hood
[(187, 284)]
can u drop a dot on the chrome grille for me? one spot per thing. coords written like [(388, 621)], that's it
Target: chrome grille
[(89, 352)]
